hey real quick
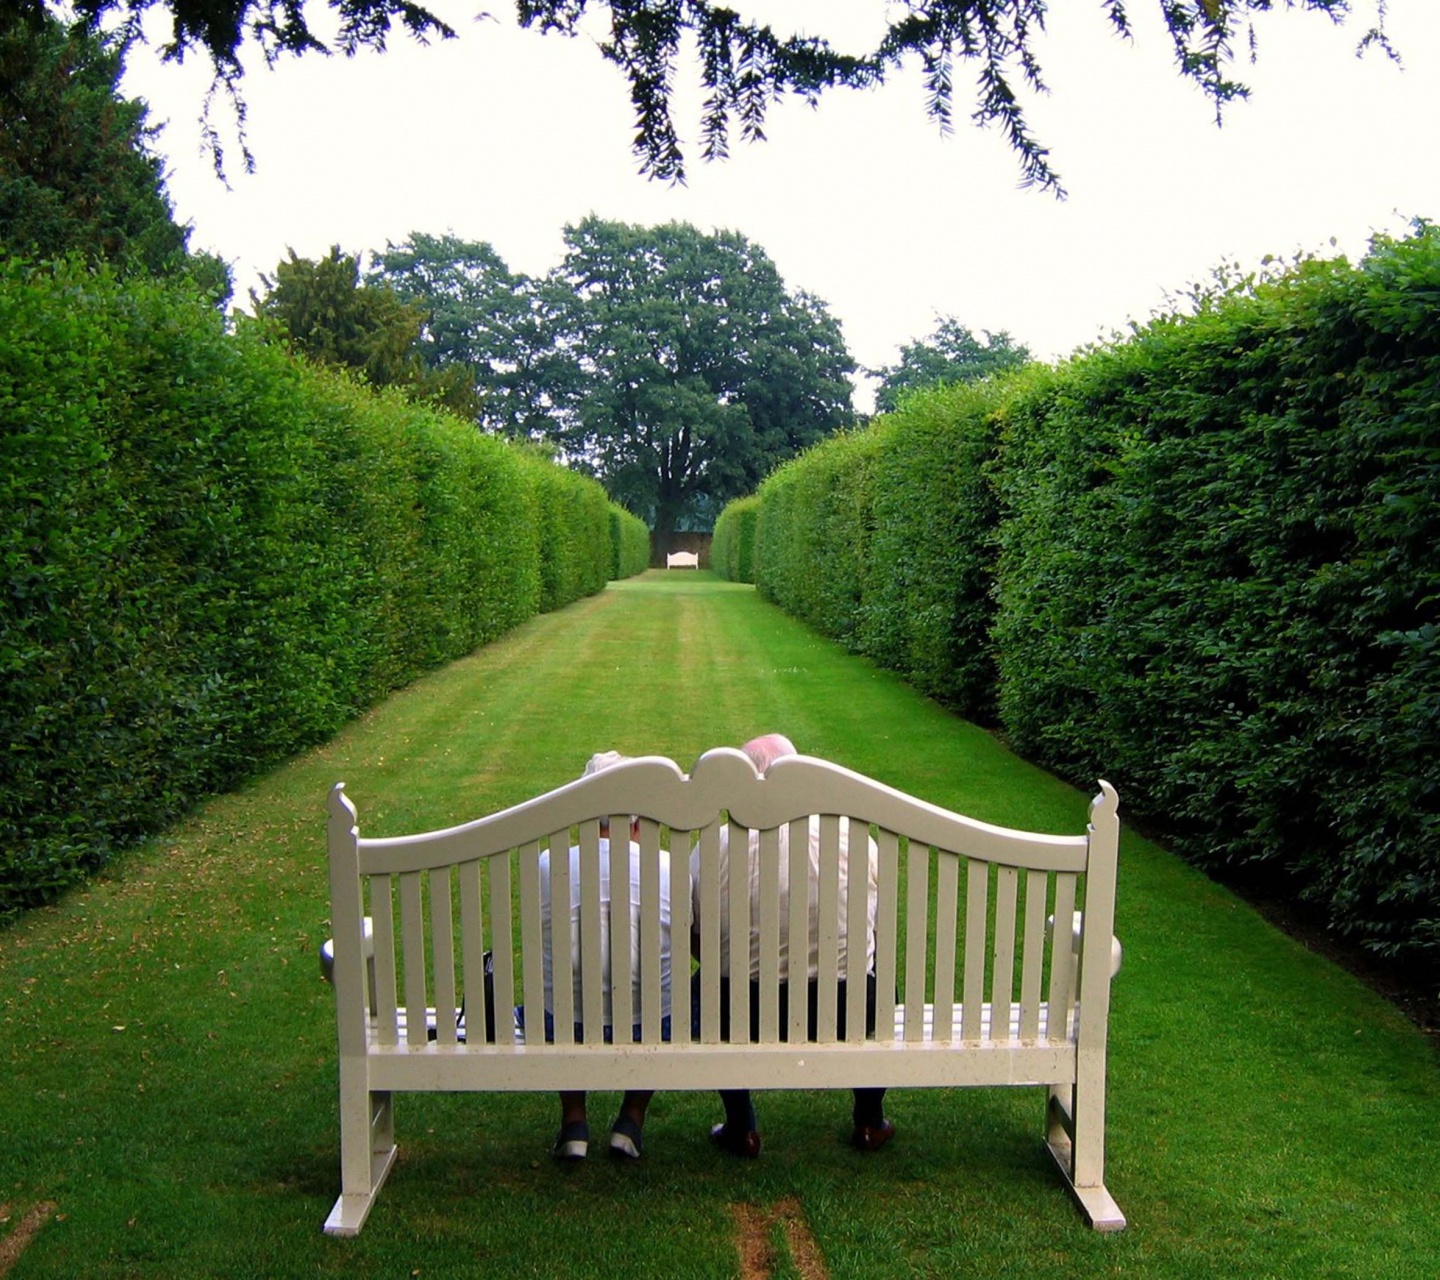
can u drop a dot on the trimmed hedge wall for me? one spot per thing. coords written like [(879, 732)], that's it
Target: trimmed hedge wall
[(629, 543), (1200, 562), (1219, 581), (885, 541), (814, 529), (214, 555), (732, 547), (572, 517), (931, 606)]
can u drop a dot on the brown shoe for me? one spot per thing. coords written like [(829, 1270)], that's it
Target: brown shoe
[(871, 1137), (744, 1143)]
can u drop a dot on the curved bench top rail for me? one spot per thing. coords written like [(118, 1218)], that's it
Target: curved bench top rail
[(724, 779)]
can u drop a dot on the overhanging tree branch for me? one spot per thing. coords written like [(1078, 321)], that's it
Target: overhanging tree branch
[(744, 64)]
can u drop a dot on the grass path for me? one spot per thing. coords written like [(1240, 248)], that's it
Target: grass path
[(168, 1057)]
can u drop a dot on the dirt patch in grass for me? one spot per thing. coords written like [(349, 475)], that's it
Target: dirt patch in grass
[(754, 1233), (18, 1240)]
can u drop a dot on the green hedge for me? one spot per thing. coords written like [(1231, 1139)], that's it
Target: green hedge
[(813, 533), (214, 556), (629, 543), (885, 540), (573, 520), (1219, 582), (929, 611), (1200, 562), (732, 548)]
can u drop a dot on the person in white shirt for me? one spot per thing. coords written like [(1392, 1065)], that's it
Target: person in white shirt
[(625, 1134), (738, 1134)]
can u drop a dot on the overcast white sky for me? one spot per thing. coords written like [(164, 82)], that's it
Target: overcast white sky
[(505, 136)]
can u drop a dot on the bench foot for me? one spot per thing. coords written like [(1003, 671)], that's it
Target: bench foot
[(1097, 1205), (350, 1210)]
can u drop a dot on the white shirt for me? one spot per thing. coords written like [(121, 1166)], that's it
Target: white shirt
[(545, 915), (813, 887)]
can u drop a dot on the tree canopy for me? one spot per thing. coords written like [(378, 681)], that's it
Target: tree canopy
[(744, 63), (672, 363), (479, 316), (950, 354), (698, 370), (76, 171), (328, 314)]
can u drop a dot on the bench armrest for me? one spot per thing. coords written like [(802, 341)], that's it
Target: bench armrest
[(1117, 952), (367, 949)]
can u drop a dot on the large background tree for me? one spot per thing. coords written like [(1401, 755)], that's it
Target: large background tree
[(744, 63), (699, 370), (496, 325), (950, 354), (77, 173)]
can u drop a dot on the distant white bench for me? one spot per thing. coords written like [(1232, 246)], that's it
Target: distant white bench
[(414, 917), (682, 560)]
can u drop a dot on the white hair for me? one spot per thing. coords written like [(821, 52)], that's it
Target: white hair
[(603, 760)]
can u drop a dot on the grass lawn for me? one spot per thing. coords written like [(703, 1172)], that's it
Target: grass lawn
[(168, 1045)]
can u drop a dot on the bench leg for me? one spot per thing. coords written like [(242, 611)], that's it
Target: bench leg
[(1081, 1159), (367, 1152)]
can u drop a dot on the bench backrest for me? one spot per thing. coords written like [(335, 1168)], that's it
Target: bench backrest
[(682, 560), (961, 918)]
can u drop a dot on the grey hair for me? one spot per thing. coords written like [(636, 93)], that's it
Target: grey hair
[(603, 760), (600, 761)]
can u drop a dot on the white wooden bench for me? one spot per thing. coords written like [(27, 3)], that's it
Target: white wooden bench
[(682, 560), (415, 915)]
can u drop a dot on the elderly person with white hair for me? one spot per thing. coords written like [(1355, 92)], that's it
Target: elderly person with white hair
[(739, 1134)]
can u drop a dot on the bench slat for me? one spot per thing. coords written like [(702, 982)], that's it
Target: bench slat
[(917, 900), (1062, 956), (1032, 962), (780, 1066), (532, 944), (709, 891), (562, 949), (947, 898), (502, 939), (737, 852), (888, 874), (442, 949), (977, 890), (857, 929), (651, 959), (681, 924), (588, 1009), (617, 963), (1002, 982), (472, 947), (383, 926), (827, 971), (797, 940), (412, 939), (769, 926)]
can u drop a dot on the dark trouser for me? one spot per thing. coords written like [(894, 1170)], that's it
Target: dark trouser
[(869, 1106)]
